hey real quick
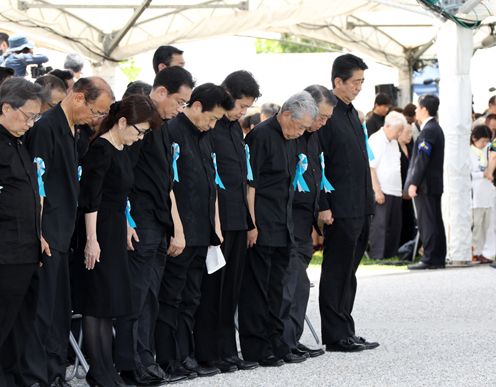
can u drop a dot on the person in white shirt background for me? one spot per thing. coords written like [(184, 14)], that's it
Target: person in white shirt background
[(482, 192), (385, 169)]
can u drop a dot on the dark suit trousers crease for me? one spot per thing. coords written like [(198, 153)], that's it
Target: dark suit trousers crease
[(49, 340), (295, 294), (179, 297), (260, 324), (344, 245), (135, 334), (215, 332), (18, 298), (431, 227), (385, 228)]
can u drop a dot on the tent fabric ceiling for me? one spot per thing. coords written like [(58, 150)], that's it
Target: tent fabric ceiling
[(391, 32)]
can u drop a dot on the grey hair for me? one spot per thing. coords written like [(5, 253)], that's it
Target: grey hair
[(269, 109), (74, 62), (395, 119), (299, 104), (17, 91)]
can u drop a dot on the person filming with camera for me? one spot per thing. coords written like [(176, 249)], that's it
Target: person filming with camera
[(20, 55)]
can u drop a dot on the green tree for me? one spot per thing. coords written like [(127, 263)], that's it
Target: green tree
[(293, 44), (130, 70)]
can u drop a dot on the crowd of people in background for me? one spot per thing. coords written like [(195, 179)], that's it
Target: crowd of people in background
[(163, 214)]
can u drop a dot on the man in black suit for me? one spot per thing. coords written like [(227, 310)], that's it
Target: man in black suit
[(425, 183), (351, 205)]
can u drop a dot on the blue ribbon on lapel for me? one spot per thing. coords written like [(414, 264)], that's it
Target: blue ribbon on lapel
[(370, 154), (129, 218), (218, 181), (40, 171), (175, 155), (79, 172), (249, 175), (324, 183), (301, 167)]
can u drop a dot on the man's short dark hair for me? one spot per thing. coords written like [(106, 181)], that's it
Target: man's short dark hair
[(344, 66), (382, 99), (17, 91), (64, 75), (492, 100), (164, 54), (409, 110), (51, 82), (241, 84), (92, 88), (490, 117), (431, 103), (5, 73), (172, 78), (137, 87), (321, 93), (4, 37), (210, 96)]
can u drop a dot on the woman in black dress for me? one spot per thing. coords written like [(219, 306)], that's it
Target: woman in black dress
[(106, 179), (405, 144)]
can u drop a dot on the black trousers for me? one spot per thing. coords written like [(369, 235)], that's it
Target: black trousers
[(385, 228), (260, 324), (296, 292), (179, 297), (215, 332), (46, 358), (18, 297), (431, 227), (135, 334), (344, 245)]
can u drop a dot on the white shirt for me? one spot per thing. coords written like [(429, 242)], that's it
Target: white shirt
[(483, 191), (425, 122), (386, 163)]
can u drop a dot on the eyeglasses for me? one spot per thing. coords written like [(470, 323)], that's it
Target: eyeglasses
[(141, 132), (96, 113), (182, 105), (30, 117), (324, 117)]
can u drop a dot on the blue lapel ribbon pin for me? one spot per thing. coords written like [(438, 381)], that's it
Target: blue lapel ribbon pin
[(175, 155), (301, 167), (370, 154), (218, 181), (40, 171), (249, 175), (324, 183), (129, 218)]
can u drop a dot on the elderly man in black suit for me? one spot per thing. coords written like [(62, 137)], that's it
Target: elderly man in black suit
[(425, 184)]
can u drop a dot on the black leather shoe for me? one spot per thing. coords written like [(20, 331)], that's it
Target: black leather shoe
[(345, 345), (240, 363), (179, 370), (299, 352), (424, 266), (155, 371), (192, 365), (367, 344), (271, 361), (311, 352), (294, 358), (139, 377), (224, 366)]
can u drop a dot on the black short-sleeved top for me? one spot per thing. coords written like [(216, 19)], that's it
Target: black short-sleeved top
[(272, 159), (229, 146), (19, 203), (149, 196), (52, 141), (347, 164), (307, 204), (195, 191), (374, 123), (107, 178)]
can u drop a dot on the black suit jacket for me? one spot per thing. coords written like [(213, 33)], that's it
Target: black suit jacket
[(426, 164), (347, 164)]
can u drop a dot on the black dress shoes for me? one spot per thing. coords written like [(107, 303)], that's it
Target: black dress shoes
[(156, 371), (139, 377), (365, 343), (240, 363), (311, 352), (224, 366), (424, 266), (178, 371), (345, 345), (299, 352), (271, 361), (294, 358), (192, 365)]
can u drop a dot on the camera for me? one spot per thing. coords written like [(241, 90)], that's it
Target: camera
[(39, 71)]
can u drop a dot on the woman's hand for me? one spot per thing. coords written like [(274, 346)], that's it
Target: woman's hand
[(91, 253)]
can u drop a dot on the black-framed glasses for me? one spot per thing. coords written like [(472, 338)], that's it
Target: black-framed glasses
[(30, 117), (141, 132), (96, 113)]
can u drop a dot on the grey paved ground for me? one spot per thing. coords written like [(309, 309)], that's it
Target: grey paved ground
[(436, 328)]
